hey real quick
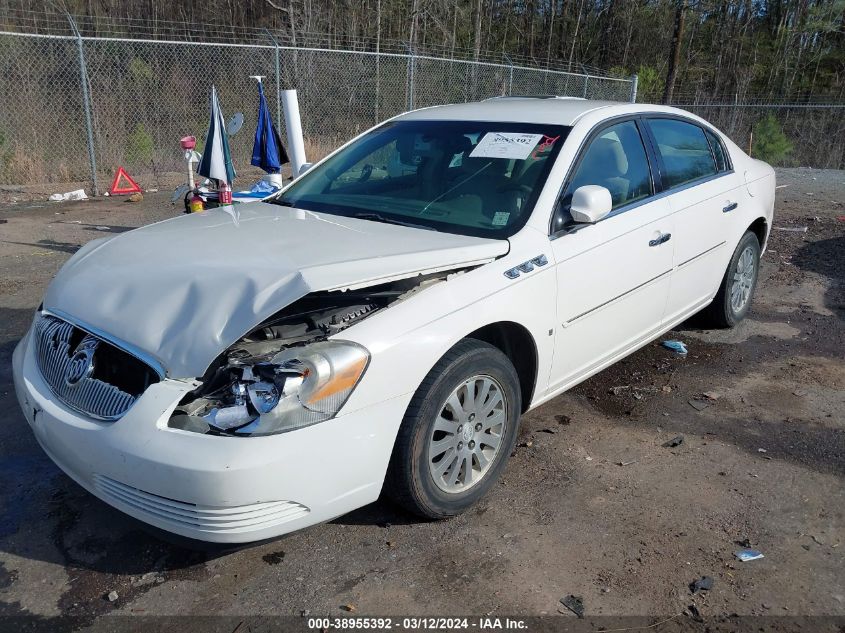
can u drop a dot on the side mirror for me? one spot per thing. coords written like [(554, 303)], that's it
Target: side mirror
[(303, 168), (590, 204)]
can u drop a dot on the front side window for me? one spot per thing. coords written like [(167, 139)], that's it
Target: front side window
[(616, 160), (684, 151), (468, 177)]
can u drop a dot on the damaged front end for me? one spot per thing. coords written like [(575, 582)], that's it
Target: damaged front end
[(288, 373)]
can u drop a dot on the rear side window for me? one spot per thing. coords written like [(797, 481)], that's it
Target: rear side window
[(684, 151), (718, 151)]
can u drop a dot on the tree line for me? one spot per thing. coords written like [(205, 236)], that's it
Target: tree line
[(680, 49)]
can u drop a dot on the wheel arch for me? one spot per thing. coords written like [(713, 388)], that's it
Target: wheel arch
[(517, 343), (760, 228)]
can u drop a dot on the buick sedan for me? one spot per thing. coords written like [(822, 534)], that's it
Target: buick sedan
[(383, 322)]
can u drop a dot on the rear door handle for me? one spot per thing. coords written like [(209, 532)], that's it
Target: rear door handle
[(730, 207), (665, 237)]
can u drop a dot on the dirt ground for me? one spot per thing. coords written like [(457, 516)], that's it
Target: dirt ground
[(592, 503)]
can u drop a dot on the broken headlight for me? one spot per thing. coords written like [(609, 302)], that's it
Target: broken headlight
[(298, 387)]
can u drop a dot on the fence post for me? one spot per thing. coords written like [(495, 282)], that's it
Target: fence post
[(86, 102), (510, 74), (278, 81), (634, 81), (412, 63), (586, 81)]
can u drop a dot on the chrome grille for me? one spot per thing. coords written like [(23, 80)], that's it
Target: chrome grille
[(67, 359)]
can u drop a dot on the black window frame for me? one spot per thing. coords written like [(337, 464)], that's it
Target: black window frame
[(655, 164)]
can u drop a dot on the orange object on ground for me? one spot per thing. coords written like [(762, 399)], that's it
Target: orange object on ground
[(129, 186)]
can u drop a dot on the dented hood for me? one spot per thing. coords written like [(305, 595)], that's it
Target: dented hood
[(185, 289)]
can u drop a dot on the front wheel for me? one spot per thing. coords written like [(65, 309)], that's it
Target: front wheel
[(458, 432), (733, 300)]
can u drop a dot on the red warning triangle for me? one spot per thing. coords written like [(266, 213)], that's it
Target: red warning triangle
[(128, 186)]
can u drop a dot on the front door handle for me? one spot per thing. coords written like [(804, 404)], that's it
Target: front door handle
[(664, 237), (730, 207)]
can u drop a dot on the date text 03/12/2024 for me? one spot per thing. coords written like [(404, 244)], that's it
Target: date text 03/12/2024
[(418, 623)]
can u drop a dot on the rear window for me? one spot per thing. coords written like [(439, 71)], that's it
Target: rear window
[(684, 150)]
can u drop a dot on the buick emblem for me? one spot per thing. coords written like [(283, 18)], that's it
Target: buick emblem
[(82, 362)]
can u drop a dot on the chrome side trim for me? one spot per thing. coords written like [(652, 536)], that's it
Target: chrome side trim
[(141, 355), (694, 257), (616, 298)]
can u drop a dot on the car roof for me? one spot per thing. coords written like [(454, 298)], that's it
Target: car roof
[(530, 109)]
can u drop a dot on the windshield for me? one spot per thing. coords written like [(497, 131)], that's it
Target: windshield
[(468, 177)]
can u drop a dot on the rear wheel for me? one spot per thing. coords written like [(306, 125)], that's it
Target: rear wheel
[(733, 301), (458, 432)]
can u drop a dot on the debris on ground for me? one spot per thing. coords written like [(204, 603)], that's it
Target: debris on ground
[(633, 461), (744, 543), (699, 405), (675, 441), (563, 419), (112, 596), (791, 229), (676, 346), (696, 615), (746, 555), (135, 197), (712, 395), (705, 583), (351, 608), (527, 444), (762, 450), (550, 430), (616, 391), (78, 194), (574, 604)]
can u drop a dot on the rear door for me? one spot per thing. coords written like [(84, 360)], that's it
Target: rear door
[(704, 194), (612, 276)]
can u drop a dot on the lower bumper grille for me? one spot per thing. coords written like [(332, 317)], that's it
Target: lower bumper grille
[(245, 518)]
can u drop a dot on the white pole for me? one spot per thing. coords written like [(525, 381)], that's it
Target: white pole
[(293, 126)]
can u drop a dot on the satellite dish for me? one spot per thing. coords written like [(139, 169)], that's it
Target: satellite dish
[(235, 123)]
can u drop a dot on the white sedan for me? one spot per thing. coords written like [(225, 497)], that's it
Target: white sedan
[(383, 322)]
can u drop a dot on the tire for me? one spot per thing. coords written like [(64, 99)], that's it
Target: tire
[(733, 300), (414, 478)]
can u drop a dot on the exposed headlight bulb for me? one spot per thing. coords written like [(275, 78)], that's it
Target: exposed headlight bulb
[(263, 396)]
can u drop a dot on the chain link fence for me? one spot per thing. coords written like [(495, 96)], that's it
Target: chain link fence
[(75, 107)]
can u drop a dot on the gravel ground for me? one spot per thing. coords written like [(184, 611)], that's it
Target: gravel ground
[(591, 504)]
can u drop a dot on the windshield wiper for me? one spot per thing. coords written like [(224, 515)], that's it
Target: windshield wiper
[(377, 217)]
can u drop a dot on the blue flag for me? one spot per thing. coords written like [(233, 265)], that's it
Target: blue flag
[(267, 151)]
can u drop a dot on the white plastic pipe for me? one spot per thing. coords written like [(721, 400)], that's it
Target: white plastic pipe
[(293, 126)]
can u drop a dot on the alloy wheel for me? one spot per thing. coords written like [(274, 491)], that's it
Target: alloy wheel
[(467, 434)]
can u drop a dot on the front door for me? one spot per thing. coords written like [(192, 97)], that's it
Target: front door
[(613, 276)]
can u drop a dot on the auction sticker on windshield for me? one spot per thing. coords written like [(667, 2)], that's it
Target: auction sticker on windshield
[(505, 145)]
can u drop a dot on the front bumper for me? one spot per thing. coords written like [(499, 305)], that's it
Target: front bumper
[(215, 489)]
